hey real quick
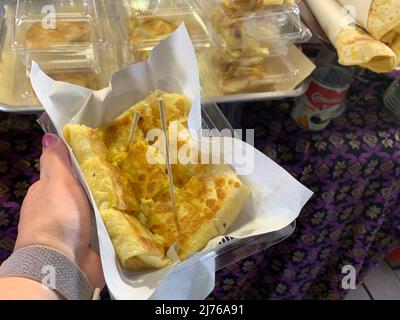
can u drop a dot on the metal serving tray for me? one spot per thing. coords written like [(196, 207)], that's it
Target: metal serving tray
[(272, 95), (32, 109), (300, 90)]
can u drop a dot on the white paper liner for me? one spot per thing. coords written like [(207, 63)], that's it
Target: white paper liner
[(331, 16), (359, 9), (277, 197)]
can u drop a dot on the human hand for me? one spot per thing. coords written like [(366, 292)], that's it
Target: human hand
[(56, 212)]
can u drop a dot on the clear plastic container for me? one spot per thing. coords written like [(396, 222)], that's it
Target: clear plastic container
[(240, 6), (271, 24), (143, 25), (229, 250), (251, 74), (262, 50), (391, 101), (49, 61), (83, 68), (58, 25)]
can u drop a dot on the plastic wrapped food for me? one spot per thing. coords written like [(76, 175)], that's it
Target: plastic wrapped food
[(248, 28), (65, 33), (59, 25), (251, 73), (142, 27)]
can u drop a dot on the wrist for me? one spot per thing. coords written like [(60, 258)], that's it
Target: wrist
[(46, 241), (51, 268), (21, 288)]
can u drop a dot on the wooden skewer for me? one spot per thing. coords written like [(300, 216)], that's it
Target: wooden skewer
[(135, 121), (96, 294), (167, 156)]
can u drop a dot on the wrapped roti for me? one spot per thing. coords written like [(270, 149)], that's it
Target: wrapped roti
[(354, 45), (384, 18), (381, 18)]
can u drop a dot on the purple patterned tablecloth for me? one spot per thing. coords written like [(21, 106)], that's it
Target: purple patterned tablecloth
[(353, 219)]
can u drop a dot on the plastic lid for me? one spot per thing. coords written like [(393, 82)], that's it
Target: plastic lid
[(263, 49), (59, 25), (148, 28), (49, 61), (82, 75), (268, 24), (83, 67), (240, 6)]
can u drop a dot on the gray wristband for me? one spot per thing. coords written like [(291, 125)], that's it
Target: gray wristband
[(51, 268)]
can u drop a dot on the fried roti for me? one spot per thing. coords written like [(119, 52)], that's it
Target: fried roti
[(65, 33), (130, 186)]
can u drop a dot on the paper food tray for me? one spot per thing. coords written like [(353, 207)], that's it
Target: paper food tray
[(229, 250), (81, 16)]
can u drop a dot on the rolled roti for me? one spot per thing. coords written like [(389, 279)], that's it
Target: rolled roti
[(136, 247), (356, 47), (353, 44), (381, 18)]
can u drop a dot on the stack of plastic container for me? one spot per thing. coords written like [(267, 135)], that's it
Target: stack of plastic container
[(242, 45), (245, 41), (143, 24), (253, 37), (66, 38)]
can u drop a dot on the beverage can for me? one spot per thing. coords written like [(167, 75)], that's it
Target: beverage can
[(324, 99)]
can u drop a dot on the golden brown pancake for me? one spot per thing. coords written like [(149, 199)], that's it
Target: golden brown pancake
[(145, 27), (65, 33), (133, 195)]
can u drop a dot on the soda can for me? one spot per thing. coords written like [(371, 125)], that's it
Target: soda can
[(325, 98)]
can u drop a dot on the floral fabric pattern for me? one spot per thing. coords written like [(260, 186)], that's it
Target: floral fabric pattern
[(354, 217), (20, 149)]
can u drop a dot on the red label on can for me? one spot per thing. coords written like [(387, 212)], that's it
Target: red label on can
[(323, 97)]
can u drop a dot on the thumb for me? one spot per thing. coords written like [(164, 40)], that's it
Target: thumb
[(54, 162)]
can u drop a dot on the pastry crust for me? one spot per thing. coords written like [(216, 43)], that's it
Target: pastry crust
[(136, 247), (146, 27), (208, 197), (357, 47), (206, 206), (243, 74), (65, 34), (109, 188)]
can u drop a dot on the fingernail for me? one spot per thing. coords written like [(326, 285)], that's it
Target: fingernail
[(48, 140)]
